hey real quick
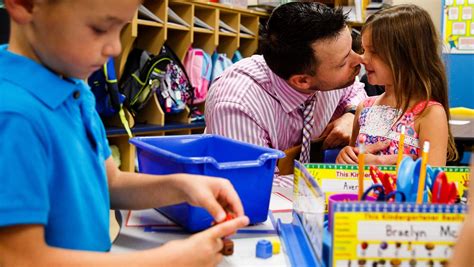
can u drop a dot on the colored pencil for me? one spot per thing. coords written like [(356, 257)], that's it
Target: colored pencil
[(401, 146), (361, 159), (422, 178)]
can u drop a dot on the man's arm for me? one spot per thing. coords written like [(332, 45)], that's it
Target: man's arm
[(338, 132)]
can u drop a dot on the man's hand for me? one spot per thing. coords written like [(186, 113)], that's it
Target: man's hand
[(338, 132)]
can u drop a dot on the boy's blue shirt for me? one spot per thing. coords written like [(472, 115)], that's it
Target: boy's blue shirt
[(52, 155)]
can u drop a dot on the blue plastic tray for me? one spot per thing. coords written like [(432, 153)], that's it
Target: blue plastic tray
[(248, 167)]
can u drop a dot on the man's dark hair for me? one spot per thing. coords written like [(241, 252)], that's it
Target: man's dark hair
[(292, 29)]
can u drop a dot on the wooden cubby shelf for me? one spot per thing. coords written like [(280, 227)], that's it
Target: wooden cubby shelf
[(151, 128), (148, 34)]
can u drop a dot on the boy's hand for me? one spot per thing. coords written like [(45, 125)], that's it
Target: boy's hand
[(204, 248), (216, 195)]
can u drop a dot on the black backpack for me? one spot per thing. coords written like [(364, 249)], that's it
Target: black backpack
[(164, 74)]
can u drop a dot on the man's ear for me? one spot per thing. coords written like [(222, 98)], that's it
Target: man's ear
[(301, 82), (20, 11)]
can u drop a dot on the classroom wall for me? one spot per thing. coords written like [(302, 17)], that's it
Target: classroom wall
[(459, 66), (432, 6)]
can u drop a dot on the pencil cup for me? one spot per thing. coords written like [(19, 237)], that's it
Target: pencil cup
[(343, 197)]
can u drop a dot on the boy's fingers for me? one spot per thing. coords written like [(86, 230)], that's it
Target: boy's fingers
[(232, 200), (228, 227), (218, 258), (228, 198), (214, 208)]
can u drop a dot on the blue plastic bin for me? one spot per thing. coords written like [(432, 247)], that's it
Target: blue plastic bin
[(248, 167)]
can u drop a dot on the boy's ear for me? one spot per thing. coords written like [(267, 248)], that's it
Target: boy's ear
[(301, 82), (20, 10)]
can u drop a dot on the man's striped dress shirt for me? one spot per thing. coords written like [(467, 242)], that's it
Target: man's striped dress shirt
[(252, 104)]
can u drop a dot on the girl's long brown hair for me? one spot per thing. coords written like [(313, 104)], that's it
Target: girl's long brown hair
[(405, 38)]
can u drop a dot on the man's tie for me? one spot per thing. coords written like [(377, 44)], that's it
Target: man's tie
[(308, 121)]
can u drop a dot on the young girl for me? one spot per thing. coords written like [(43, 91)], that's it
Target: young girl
[(402, 53)]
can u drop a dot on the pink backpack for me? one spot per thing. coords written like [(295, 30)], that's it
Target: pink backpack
[(198, 65)]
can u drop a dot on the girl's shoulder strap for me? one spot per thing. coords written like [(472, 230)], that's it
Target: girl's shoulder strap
[(369, 101), (420, 106)]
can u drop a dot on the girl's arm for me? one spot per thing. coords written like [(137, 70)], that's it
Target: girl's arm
[(433, 127)]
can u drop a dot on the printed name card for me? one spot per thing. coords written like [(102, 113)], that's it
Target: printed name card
[(341, 178), (394, 234)]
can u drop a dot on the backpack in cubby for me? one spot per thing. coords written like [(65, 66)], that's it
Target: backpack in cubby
[(198, 65), (163, 74), (108, 99)]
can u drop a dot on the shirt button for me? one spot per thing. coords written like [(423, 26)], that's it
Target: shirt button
[(76, 94)]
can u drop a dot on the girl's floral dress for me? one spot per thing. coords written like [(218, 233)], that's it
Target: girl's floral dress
[(379, 123)]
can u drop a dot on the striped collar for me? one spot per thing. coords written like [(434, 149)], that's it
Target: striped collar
[(289, 98)]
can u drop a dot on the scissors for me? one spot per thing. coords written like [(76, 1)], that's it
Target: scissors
[(382, 193), (407, 180), (444, 191), (384, 179)]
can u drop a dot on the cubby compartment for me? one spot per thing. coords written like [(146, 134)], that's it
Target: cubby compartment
[(127, 152), (206, 37), (248, 47), (150, 38), (179, 35)]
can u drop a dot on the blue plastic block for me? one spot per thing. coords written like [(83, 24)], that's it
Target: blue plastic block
[(264, 249)]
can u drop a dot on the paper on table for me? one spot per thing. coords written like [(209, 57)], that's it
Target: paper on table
[(145, 12), (154, 221), (279, 202)]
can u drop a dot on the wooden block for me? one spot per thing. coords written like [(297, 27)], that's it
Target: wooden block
[(228, 248)]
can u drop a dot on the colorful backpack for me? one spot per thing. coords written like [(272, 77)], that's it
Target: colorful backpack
[(163, 74), (220, 62), (237, 56), (198, 65)]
